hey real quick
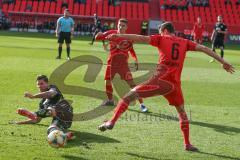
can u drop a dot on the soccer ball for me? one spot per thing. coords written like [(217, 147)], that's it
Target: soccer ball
[(57, 139)]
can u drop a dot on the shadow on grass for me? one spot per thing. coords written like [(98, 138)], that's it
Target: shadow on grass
[(70, 157), (219, 155), (217, 127), (85, 139), (142, 157)]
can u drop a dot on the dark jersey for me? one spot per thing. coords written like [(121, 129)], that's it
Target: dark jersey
[(220, 27), (97, 23), (45, 103)]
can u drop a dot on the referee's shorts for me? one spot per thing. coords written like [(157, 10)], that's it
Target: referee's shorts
[(64, 36)]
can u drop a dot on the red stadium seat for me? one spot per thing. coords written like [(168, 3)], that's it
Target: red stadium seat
[(76, 9), (100, 8), (70, 6), (88, 8), (111, 11), (105, 8), (59, 7), (40, 6), (134, 10), (46, 7), (23, 6), (35, 6), (117, 11), (129, 10), (140, 10), (93, 7), (123, 9), (82, 9), (53, 7), (146, 10)]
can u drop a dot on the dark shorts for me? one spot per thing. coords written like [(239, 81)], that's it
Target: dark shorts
[(64, 36), (217, 43)]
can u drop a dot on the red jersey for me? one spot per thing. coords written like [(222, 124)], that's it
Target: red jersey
[(119, 49), (198, 29), (172, 52)]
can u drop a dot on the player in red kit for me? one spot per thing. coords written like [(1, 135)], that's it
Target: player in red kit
[(167, 79), (198, 30), (118, 61)]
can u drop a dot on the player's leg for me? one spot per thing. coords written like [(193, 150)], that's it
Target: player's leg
[(214, 50), (60, 43), (27, 113), (68, 42), (68, 51), (93, 37), (142, 106), (109, 93), (150, 88), (176, 99), (222, 51), (184, 125)]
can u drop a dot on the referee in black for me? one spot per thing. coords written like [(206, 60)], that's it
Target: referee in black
[(218, 35), (64, 32)]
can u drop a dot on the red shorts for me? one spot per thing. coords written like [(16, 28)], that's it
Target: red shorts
[(123, 71), (161, 83)]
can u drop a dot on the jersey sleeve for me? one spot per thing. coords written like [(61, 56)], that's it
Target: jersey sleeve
[(133, 54), (155, 40), (191, 46), (105, 34)]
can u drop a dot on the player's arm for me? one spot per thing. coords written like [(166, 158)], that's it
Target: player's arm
[(100, 36), (133, 54), (57, 28), (47, 94), (223, 32), (213, 34), (30, 121), (133, 37), (227, 66), (72, 28)]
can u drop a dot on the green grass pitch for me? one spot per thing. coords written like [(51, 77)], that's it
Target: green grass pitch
[(211, 99)]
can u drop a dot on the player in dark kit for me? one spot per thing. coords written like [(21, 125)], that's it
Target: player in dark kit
[(218, 35), (167, 79), (52, 104), (118, 61), (97, 28)]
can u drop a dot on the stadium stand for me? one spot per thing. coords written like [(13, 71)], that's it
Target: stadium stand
[(182, 13)]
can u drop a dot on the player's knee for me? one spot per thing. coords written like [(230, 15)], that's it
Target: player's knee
[(130, 96)]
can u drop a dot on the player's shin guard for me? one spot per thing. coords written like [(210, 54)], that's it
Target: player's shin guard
[(68, 51), (120, 109), (184, 125), (109, 91), (27, 114), (59, 52)]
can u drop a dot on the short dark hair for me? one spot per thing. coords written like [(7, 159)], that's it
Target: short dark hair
[(168, 26), (42, 77), (124, 20)]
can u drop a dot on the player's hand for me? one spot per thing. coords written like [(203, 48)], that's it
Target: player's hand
[(136, 65), (228, 67), (28, 95), (56, 34), (111, 37)]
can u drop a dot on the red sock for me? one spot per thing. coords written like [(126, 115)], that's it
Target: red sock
[(27, 113), (109, 91), (121, 107), (184, 125), (140, 100)]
